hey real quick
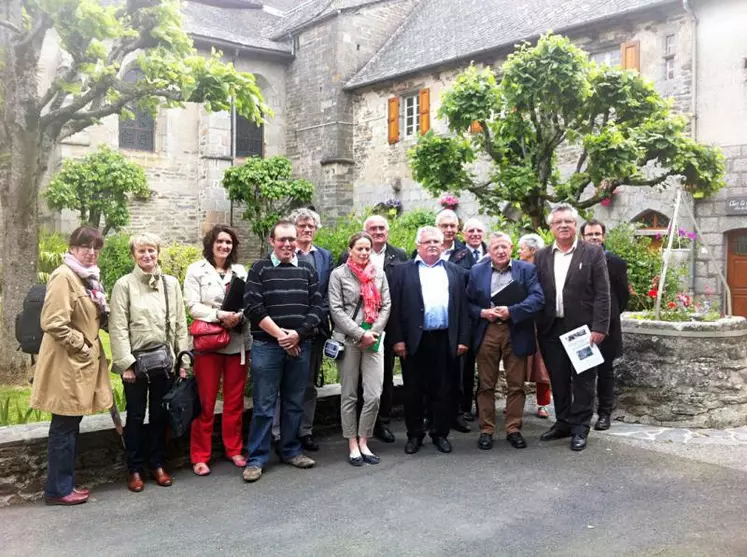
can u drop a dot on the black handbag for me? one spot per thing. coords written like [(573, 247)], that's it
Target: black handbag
[(182, 402), (158, 359)]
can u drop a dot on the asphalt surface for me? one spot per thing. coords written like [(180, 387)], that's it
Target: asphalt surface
[(615, 498)]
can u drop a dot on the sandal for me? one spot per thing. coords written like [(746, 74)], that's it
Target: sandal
[(238, 460), (542, 412), (200, 469)]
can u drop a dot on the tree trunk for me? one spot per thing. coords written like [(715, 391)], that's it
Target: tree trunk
[(24, 155)]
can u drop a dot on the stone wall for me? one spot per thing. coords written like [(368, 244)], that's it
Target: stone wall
[(319, 113), (382, 170), (683, 374), (192, 150)]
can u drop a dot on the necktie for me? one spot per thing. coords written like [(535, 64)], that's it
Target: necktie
[(477, 254)]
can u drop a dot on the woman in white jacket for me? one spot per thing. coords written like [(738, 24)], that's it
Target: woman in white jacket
[(204, 290)]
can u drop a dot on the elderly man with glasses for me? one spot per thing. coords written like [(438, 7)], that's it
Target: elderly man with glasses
[(573, 276)]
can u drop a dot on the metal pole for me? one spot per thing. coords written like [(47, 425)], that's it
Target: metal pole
[(727, 290), (668, 252)]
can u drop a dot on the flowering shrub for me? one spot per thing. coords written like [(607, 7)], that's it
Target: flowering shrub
[(683, 240), (449, 201), (390, 208), (685, 307)]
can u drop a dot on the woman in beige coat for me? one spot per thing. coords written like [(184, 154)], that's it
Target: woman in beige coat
[(147, 312), (72, 376), (359, 305)]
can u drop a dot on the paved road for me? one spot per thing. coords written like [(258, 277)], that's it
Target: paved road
[(615, 498)]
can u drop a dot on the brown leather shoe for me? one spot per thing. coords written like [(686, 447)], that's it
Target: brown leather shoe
[(82, 490), (74, 498), (161, 477), (135, 482)]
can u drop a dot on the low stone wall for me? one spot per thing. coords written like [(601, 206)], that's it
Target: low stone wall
[(683, 374), (23, 449)]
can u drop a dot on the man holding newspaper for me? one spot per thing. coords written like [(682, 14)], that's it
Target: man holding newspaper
[(573, 276)]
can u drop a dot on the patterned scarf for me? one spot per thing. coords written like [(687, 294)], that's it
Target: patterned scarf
[(91, 276), (369, 291)]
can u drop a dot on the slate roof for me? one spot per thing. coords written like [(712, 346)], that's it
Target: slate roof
[(245, 27), (308, 11), (440, 31)]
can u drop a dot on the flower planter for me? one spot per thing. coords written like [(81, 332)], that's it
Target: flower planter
[(683, 374)]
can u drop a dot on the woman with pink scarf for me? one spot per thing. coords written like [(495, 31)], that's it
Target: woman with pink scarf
[(359, 306)]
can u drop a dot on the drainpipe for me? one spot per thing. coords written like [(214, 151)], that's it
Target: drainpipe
[(233, 136), (687, 5)]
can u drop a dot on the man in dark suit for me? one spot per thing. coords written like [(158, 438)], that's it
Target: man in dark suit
[(573, 276), (429, 328), (457, 253), (502, 333), (473, 233), (384, 256), (307, 223), (594, 232)]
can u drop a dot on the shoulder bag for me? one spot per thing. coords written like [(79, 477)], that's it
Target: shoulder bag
[(182, 402), (158, 359)]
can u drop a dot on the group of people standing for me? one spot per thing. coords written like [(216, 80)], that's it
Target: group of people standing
[(434, 311)]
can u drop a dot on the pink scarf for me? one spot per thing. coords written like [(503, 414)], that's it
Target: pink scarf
[(369, 291), (91, 276)]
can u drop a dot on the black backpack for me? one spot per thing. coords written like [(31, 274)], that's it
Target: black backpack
[(28, 323)]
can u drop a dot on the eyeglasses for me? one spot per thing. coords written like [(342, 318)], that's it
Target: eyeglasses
[(285, 240), (593, 235), (90, 249), (563, 221)]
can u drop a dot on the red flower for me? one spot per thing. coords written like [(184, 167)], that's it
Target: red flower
[(672, 305), (653, 293)]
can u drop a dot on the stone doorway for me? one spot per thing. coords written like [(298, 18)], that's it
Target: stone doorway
[(736, 270)]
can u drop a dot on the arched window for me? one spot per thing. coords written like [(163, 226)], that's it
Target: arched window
[(249, 138), (652, 221), (138, 133)]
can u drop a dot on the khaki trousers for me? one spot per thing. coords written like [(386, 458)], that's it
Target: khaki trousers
[(355, 366), (496, 346)]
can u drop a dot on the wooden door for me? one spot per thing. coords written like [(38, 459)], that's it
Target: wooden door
[(736, 271)]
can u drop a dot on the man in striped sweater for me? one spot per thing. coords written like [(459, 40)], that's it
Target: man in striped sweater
[(283, 304)]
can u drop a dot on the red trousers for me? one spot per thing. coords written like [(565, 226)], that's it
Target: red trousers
[(208, 370), (543, 394)]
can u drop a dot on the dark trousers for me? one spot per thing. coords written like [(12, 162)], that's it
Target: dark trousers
[(605, 386), (468, 381), (428, 372), (573, 392), (62, 447), (140, 440)]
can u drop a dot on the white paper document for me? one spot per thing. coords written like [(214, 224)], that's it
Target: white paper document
[(583, 354)]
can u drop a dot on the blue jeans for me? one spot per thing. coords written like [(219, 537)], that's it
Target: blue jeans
[(275, 372), (62, 446)]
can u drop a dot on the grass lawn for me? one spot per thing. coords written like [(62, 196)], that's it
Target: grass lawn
[(14, 401)]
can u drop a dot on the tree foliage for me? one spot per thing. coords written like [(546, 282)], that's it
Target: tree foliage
[(96, 44), (98, 186), (267, 190), (552, 102)]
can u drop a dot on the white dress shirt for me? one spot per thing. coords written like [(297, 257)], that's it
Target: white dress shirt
[(434, 284), (378, 258), (561, 265)]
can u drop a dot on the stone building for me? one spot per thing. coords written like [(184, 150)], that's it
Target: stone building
[(353, 82)]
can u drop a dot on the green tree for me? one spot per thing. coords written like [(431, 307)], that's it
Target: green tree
[(99, 43), (267, 190), (98, 186), (553, 101)]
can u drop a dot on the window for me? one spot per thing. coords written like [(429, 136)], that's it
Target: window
[(669, 50), (409, 113), (609, 57), (410, 120), (652, 221), (249, 138), (138, 133)]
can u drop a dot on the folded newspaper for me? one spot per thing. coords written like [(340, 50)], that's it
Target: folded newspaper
[(582, 352)]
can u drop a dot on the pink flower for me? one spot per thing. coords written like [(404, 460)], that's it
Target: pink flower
[(606, 202), (449, 200)]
